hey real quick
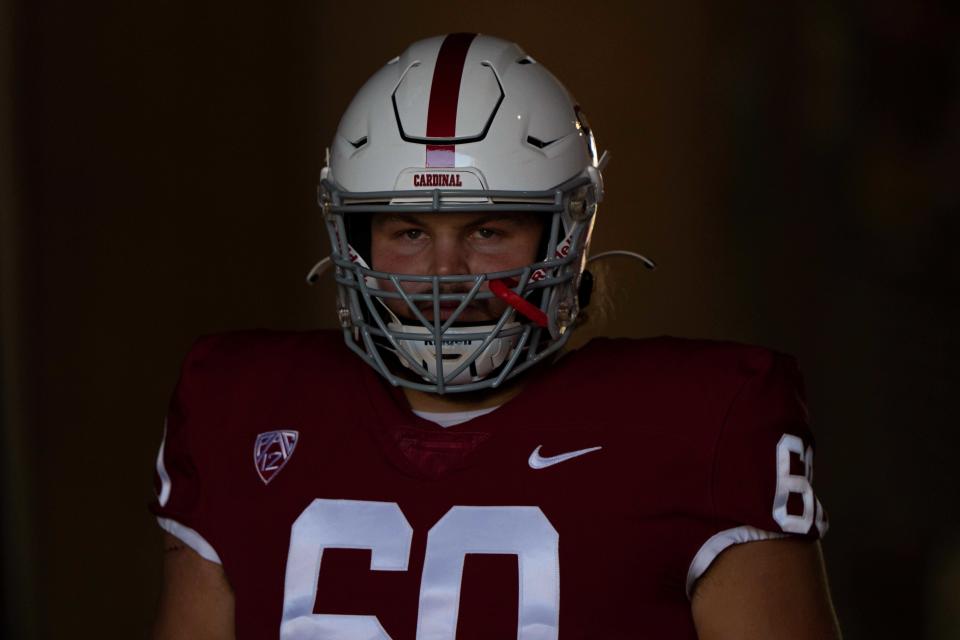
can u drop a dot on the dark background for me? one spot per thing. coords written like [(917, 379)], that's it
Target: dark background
[(792, 166)]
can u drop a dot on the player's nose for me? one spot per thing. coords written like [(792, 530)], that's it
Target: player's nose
[(449, 256)]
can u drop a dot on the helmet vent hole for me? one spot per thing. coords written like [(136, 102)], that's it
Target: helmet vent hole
[(525, 60), (359, 143), (538, 143)]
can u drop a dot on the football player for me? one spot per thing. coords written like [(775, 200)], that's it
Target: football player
[(435, 469)]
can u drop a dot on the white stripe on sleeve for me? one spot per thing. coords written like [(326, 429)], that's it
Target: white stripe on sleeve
[(162, 471), (717, 543), (190, 538)]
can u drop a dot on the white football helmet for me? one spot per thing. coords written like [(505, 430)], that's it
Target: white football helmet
[(460, 123)]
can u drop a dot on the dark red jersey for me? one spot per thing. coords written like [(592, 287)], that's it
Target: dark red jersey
[(586, 507)]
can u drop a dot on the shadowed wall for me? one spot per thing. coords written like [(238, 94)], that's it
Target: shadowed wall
[(790, 167)]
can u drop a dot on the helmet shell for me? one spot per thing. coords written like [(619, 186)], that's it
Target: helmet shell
[(461, 101)]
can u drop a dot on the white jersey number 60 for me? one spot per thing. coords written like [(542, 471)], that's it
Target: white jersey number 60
[(382, 528)]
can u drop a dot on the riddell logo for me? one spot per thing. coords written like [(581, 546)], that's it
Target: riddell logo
[(437, 180)]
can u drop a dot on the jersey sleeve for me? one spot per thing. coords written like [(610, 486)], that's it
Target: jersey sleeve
[(762, 476), (179, 476)]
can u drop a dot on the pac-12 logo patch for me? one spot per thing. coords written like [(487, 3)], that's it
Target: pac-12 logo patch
[(272, 450)]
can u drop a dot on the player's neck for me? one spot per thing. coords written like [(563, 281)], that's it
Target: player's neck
[(423, 401)]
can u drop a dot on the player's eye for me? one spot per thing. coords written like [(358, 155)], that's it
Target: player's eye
[(411, 234), (486, 233)]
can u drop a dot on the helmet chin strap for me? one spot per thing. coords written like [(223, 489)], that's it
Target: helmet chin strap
[(455, 349), (502, 288)]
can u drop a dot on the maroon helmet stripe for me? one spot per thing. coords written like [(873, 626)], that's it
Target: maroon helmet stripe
[(444, 96)]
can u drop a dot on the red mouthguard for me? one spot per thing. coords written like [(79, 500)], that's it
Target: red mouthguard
[(502, 289)]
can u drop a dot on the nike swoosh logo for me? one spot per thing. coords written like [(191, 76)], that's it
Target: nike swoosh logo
[(537, 461)]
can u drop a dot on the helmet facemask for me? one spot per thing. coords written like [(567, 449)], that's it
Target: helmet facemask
[(445, 355)]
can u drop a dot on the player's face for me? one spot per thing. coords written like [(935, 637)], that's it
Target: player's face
[(452, 244)]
